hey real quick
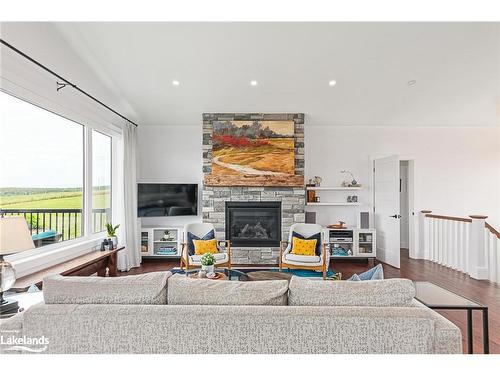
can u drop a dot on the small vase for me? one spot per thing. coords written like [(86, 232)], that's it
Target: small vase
[(208, 269), (114, 239)]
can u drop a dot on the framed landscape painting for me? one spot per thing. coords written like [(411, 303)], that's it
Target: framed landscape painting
[(251, 153)]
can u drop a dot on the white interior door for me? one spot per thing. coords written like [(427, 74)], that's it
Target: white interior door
[(386, 209)]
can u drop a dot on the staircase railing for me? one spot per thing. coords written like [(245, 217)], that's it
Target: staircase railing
[(469, 245)]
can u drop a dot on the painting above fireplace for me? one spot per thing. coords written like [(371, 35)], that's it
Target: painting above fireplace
[(253, 149), (253, 224)]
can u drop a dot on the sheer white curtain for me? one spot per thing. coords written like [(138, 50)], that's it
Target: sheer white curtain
[(128, 232)]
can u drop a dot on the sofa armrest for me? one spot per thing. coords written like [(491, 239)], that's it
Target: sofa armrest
[(447, 337), (14, 323)]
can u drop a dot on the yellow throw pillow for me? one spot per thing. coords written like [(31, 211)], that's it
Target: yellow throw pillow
[(205, 246), (303, 247)]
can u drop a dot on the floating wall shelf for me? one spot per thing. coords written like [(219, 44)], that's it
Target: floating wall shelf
[(333, 188), (333, 204)]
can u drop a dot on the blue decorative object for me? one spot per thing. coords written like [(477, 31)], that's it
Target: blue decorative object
[(339, 251), (190, 237), (46, 234), (316, 237), (308, 273), (376, 273)]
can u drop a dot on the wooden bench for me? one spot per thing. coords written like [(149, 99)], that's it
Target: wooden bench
[(85, 265)]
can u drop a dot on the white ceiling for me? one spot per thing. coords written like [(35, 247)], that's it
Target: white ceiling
[(455, 66)]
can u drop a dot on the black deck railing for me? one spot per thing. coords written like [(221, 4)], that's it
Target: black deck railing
[(67, 222)]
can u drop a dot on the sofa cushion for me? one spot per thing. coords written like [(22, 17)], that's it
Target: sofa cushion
[(380, 293), (144, 289), (205, 246), (190, 237), (303, 258), (217, 257), (316, 237), (183, 290), (303, 247)]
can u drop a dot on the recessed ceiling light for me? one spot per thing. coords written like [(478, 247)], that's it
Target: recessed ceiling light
[(175, 82), (332, 83), (254, 83), (411, 83)]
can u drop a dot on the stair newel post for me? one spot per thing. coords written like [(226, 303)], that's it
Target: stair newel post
[(423, 235), (477, 266)]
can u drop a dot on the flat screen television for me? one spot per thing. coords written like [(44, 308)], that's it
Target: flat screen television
[(156, 200)]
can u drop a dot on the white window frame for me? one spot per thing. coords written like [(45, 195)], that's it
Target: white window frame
[(112, 177), (30, 261)]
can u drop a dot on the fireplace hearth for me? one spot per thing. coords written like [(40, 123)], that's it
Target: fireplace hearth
[(253, 224)]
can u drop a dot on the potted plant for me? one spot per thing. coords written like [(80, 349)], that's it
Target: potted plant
[(207, 262), (112, 233)]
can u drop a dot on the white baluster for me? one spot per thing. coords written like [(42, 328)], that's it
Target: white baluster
[(446, 243), (466, 247), (451, 240), (477, 268), (436, 241), (458, 245), (430, 225), (461, 246), (441, 242), (446, 225), (493, 258), (453, 245), (496, 259), (487, 247), (432, 238)]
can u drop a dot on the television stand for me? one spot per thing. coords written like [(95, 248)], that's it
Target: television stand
[(160, 242)]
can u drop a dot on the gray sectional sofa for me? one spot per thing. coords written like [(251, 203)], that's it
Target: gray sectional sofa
[(156, 313)]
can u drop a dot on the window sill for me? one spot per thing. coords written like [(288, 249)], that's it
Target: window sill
[(30, 263)]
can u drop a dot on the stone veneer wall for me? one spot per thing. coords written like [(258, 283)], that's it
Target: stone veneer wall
[(214, 197)]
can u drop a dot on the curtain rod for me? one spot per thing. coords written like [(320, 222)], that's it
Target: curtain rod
[(63, 79)]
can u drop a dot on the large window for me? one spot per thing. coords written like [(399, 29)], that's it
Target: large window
[(43, 173)]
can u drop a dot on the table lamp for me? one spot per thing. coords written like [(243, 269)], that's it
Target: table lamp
[(14, 238)]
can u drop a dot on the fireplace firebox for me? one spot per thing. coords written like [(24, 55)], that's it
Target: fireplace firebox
[(253, 224)]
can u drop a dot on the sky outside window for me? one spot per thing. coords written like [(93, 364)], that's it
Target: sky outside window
[(38, 148)]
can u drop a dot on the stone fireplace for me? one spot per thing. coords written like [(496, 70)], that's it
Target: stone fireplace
[(253, 224), (251, 246)]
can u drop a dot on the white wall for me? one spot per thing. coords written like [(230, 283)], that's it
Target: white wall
[(456, 169), (170, 154)]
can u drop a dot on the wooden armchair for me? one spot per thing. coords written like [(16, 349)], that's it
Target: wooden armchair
[(200, 231), (308, 262)]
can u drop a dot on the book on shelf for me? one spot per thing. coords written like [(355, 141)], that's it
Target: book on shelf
[(166, 250)]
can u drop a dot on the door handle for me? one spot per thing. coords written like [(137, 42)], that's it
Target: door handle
[(396, 216)]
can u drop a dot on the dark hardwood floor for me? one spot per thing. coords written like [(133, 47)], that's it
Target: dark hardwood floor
[(419, 270)]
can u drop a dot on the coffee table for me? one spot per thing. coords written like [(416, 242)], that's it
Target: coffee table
[(195, 275), (439, 298), (268, 275)]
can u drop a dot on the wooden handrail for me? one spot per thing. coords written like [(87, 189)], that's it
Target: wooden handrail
[(452, 218), (465, 220), (492, 230)]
